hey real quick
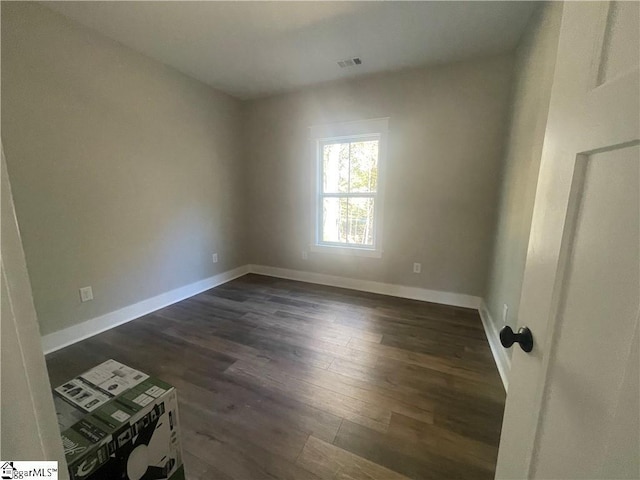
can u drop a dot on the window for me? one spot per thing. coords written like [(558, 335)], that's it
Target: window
[(348, 199)]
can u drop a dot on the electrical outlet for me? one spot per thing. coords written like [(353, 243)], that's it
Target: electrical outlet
[(505, 313), (214, 257), (86, 294), (305, 255), (417, 267)]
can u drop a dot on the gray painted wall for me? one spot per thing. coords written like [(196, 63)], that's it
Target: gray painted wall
[(535, 65), (446, 134), (128, 175), (125, 173)]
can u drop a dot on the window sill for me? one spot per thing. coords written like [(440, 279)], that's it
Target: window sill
[(356, 252)]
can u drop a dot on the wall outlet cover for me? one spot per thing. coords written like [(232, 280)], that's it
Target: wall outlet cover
[(214, 257), (417, 267), (86, 294), (305, 255)]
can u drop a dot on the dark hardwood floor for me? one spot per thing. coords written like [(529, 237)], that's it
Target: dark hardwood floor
[(282, 379)]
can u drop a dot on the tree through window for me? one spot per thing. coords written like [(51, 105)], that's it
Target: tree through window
[(348, 191), (349, 160)]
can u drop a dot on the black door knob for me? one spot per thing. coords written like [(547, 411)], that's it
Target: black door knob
[(523, 337)]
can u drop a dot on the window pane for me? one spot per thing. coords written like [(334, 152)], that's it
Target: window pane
[(364, 166), (335, 167), (361, 219), (334, 220)]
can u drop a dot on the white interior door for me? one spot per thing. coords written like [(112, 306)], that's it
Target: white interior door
[(573, 403)]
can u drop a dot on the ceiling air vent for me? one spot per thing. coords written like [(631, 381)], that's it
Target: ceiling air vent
[(350, 62)]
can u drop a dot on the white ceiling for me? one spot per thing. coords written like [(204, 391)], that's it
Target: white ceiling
[(252, 49)]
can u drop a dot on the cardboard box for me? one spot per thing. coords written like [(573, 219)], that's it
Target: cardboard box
[(118, 423)]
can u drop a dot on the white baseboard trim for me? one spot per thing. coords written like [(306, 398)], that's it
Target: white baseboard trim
[(75, 333), (415, 293), (70, 335), (502, 359)]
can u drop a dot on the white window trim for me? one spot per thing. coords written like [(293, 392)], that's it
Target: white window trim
[(348, 130)]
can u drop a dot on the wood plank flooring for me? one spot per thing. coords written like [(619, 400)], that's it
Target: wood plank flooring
[(288, 380)]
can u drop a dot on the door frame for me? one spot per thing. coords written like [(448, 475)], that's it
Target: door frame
[(39, 431)]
